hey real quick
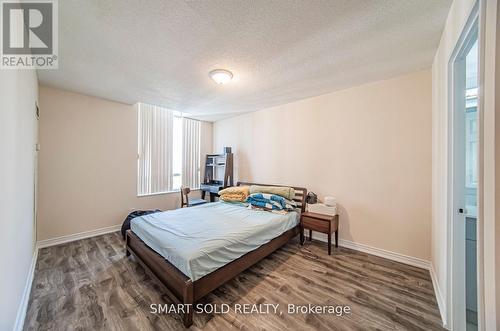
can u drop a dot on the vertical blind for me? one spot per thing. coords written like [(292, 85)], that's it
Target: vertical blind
[(156, 138), (155, 149), (190, 153)]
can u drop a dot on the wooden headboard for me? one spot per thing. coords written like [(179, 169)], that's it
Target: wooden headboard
[(300, 193)]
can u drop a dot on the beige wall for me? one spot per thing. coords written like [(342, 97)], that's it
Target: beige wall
[(88, 164), (369, 146), (18, 136)]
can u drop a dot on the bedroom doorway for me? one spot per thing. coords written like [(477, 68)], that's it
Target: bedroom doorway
[(464, 181)]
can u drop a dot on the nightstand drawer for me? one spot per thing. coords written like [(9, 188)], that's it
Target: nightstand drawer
[(315, 224)]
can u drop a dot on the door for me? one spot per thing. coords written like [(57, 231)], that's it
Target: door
[(471, 178), (465, 140)]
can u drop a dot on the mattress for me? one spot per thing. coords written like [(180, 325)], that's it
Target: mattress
[(199, 240)]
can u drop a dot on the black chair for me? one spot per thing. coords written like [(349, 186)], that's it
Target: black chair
[(186, 201)]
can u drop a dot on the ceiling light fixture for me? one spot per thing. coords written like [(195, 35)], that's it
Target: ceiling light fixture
[(221, 76)]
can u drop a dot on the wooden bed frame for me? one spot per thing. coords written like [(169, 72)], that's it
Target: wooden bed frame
[(180, 288)]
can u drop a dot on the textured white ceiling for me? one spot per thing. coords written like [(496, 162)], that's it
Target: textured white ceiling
[(160, 52)]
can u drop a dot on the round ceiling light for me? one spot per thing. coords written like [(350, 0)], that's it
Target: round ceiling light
[(221, 76)]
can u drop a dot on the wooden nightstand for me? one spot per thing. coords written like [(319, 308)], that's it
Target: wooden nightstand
[(322, 223)]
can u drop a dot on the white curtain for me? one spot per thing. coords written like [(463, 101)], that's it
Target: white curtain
[(190, 153), (155, 149)]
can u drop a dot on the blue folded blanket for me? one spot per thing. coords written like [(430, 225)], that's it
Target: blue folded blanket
[(270, 201)]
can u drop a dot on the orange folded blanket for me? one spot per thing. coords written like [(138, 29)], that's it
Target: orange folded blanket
[(235, 193)]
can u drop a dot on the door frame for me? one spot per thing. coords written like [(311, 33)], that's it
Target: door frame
[(456, 180)]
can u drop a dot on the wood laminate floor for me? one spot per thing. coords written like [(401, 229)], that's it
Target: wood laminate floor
[(90, 285)]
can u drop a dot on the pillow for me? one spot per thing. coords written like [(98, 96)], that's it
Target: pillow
[(285, 192)]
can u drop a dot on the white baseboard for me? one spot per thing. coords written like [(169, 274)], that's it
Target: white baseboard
[(23, 306), (406, 259), (77, 236), (439, 297), (410, 260)]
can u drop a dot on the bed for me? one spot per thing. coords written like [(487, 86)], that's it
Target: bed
[(192, 251)]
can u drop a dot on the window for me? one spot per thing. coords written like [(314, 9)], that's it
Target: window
[(169, 150)]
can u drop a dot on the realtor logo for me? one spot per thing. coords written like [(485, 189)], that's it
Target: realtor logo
[(29, 34)]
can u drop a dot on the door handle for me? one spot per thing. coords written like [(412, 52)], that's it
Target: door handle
[(460, 210)]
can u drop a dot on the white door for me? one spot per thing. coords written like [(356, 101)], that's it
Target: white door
[(464, 123)]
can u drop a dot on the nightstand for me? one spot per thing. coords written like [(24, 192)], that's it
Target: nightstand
[(322, 223)]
